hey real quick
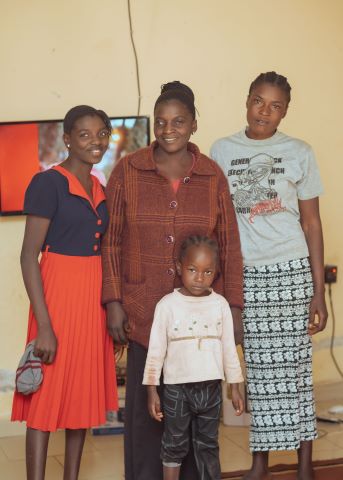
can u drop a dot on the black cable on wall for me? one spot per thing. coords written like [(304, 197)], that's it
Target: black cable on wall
[(333, 334), (136, 58)]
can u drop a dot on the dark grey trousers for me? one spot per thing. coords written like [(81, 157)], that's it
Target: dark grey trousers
[(143, 435), (196, 405)]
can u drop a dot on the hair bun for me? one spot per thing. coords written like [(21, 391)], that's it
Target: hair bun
[(177, 91), (177, 85)]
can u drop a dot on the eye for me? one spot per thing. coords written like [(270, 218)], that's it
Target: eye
[(179, 122), (104, 133), (208, 272), (192, 270), (84, 134), (276, 106), (257, 100), (159, 123)]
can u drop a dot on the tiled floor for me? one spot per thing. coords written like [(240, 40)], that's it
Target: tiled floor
[(103, 455)]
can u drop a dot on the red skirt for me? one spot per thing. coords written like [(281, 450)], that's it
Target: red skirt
[(80, 385)]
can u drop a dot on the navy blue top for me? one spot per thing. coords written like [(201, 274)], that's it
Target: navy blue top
[(76, 225)]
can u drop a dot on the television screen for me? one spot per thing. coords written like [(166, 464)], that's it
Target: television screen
[(29, 147)]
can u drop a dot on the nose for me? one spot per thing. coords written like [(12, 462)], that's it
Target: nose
[(168, 127), (265, 109), (199, 277), (96, 140)]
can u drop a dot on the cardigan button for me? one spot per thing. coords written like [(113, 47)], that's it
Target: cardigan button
[(170, 271), (99, 221), (173, 204), (95, 248), (97, 235), (186, 179), (170, 239)]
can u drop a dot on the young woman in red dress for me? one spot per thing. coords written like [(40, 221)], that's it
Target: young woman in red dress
[(66, 218)]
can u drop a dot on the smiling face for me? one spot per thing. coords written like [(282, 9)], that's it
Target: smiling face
[(197, 270), (173, 125), (88, 139), (266, 107)]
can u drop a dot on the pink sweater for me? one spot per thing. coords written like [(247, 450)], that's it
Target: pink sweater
[(192, 339)]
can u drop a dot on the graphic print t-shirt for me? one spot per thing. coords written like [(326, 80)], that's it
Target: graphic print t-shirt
[(267, 178)]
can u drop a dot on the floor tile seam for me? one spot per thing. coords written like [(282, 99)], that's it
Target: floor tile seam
[(247, 450), (57, 459)]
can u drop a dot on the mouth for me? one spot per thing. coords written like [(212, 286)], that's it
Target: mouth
[(169, 140), (262, 122), (96, 151)]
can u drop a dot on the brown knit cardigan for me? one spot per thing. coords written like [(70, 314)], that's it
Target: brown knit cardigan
[(148, 222)]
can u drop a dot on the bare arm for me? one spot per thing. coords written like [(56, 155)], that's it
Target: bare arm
[(312, 227), (35, 232)]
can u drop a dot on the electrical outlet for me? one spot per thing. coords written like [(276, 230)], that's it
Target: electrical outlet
[(330, 273)]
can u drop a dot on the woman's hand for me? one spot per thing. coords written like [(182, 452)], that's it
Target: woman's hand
[(237, 325), (46, 344), (154, 403), (318, 314), (117, 322), (237, 399)]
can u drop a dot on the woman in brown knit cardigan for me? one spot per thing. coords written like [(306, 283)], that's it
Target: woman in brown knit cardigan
[(156, 197)]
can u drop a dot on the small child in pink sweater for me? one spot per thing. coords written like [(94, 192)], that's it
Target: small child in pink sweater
[(192, 339)]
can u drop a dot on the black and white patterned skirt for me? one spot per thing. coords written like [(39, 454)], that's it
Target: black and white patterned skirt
[(278, 355)]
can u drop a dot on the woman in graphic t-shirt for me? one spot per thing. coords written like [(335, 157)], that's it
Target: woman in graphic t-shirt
[(275, 184)]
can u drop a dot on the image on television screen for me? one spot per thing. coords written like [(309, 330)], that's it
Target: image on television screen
[(29, 147)]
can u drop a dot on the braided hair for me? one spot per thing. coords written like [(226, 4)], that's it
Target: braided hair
[(274, 79), (84, 111), (198, 240), (177, 91)]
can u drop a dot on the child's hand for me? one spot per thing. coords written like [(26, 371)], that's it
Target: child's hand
[(237, 399), (154, 404)]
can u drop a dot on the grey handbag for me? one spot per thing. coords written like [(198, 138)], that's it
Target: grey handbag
[(29, 373)]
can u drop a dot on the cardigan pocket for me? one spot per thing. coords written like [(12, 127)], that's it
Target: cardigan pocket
[(134, 298)]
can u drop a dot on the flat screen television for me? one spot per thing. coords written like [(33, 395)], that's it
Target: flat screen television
[(29, 147)]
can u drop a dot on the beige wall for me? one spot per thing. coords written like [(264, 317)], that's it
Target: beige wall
[(58, 54)]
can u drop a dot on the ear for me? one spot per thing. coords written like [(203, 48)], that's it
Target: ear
[(194, 126), (285, 112), (247, 101), (178, 267), (66, 139)]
